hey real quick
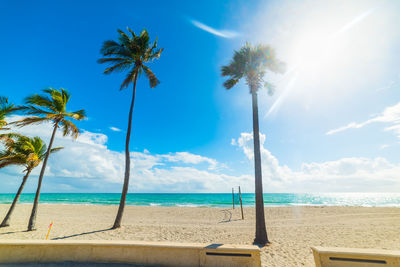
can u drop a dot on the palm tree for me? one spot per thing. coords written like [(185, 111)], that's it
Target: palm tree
[(251, 63), (49, 107), (23, 151), (129, 53), (5, 109)]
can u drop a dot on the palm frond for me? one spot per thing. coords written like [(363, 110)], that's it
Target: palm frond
[(252, 62), (29, 120), (151, 76), (131, 52), (11, 161), (270, 88), (56, 149), (32, 110), (228, 84), (5, 109), (129, 78), (68, 128), (120, 67), (39, 100), (77, 115)]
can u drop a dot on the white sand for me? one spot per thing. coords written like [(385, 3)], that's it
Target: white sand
[(292, 230)]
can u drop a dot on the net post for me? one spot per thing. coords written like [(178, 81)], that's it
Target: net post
[(241, 206), (233, 198)]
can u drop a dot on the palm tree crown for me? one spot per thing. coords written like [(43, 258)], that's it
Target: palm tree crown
[(22, 150), (131, 53), (5, 109), (251, 63), (51, 107)]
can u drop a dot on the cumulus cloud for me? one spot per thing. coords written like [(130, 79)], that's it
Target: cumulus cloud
[(187, 157), (390, 115), (346, 174), (87, 163), (220, 33)]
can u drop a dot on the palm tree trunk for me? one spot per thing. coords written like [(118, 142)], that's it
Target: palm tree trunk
[(118, 219), (6, 221), (261, 231), (32, 219)]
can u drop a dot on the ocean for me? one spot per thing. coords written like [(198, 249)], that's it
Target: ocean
[(214, 200)]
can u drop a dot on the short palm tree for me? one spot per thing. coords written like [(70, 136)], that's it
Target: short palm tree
[(130, 53), (251, 63), (5, 109), (24, 151), (49, 107)]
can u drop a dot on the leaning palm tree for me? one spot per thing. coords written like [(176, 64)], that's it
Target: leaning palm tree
[(24, 151), (130, 53), (49, 107), (5, 109), (251, 63)]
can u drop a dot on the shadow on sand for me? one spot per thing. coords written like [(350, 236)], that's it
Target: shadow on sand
[(228, 217), (86, 233), (9, 233)]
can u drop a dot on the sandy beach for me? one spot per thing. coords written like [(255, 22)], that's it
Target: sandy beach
[(292, 230)]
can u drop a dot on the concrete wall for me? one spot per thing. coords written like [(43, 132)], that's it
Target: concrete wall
[(148, 253), (355, 257)]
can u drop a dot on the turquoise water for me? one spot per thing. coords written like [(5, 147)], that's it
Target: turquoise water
[(216, 200)]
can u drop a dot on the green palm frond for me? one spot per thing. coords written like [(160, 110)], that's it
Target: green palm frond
[(40, 101), (56, 149), (68, 128), (22, 150), (228, 84), (252, 62), (130, 53), (15, 160), (150, 75), (77, 115), (29, 121), (51, 107), (120, 67), (130, 77), (6, 109), (33, 110)]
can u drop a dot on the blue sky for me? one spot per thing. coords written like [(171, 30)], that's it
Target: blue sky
[(333, 124)]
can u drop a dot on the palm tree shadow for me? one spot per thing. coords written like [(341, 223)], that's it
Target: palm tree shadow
[(86, 233), (8, 233)]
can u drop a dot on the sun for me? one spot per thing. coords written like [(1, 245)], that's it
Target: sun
[(328, 49)]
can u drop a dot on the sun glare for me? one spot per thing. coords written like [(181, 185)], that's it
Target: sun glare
[(326, 47)]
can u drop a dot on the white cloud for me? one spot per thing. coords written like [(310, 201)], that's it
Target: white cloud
[(88, 165), (342, 175), (389, 115), (115, 129), (220, 33), (383, 146), (187, 157), (89, 161)]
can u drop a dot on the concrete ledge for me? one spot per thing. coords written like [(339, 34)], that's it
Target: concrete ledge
[(346, 257), (131, 252)]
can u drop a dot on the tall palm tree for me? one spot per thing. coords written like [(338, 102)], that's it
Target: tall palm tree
[(24, 151), (130, 53), (5, 109), (49, 107), (251, 63)]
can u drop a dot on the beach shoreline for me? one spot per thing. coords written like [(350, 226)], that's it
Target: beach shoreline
[(292, 230)]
